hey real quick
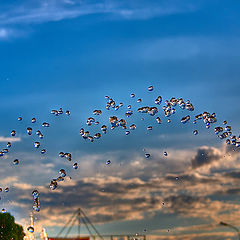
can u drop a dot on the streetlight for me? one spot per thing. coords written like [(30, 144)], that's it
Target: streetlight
[(231, 226)]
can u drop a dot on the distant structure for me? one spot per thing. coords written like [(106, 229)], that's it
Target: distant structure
[(29, 235), (79, 218), (43, 235)]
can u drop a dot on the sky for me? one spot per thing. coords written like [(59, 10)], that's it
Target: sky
[(73, 53)]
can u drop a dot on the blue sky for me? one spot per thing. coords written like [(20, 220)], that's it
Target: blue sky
[(71, 54)]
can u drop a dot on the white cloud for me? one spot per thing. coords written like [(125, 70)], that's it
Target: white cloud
[(9, 139), (3, 33), (44, 11)]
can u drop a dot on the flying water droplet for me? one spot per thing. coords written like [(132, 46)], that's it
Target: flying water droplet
[(43, 151), (37, 144), (147, 155), (13, 133), (195, 132), (45, 124), (108, 162), (75, 166), (30, 229), (29, 131), (150, 88), (16, 162)]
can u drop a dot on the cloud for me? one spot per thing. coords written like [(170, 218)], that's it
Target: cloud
[(10, 139), (45, 11), (205, 156)]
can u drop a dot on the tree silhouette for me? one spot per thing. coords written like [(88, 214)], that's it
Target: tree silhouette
[(9, 230)]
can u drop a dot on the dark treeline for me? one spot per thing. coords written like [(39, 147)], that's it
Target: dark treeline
[(9, 230)]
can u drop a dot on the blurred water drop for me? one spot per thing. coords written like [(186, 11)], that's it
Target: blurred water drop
[(75, 166), (108, 162), (45, 124), (43, 151), (53, 185), (195, 132), (67, 112), (133, 127), (13, 133), (147, 155), (150, 88), (16, 162), (62, 172), (185, 119), (61, 154), (30, 229), (165, 154), (29, 131), (37, 144)]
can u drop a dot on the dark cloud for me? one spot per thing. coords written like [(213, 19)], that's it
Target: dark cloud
[(205, 156), (232, 149)]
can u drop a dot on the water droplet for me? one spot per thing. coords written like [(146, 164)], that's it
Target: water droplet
[(19, 119), (150, 88), (132, 95), (97, 112), (35, 193), (158, 100), (108, 162), (195, 132), (5, 150), (34, 120), (43, 151), (147, 155), (37, 144), (159, 121), (149, 128), (139, 100), (30, 229), (4, 210), (127, 132), (53, 185), (45, 124), (68, 113), (185, 119), (16, 162), (61, 154), (165, 154), (29, 131), (6, 189), (62, 172), (9, 144), (97, 135), (13, 133), (75, 166), (228, 128), (133, 127)]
